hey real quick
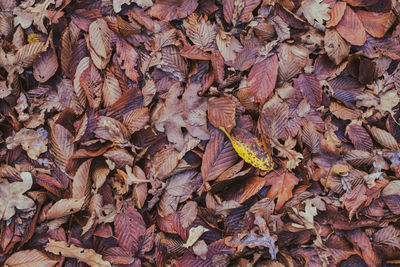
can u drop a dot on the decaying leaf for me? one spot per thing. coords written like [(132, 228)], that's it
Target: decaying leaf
[(11, 195), (250, 148), (194, 234), (33, 258), (88, 256), (33, 142), (314, 10)]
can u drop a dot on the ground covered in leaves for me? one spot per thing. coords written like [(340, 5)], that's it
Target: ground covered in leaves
[(199, 133)]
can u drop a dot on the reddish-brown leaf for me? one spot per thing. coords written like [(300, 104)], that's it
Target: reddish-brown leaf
[(172, 9), (127, 58), (337, 12), (351, 28), (218, 157), (363, 3), (376, 24), (359, 137), (282, 183), (92, 83), (262, 78), (129, 226), (308, 86), (221, 112), (360, 240)]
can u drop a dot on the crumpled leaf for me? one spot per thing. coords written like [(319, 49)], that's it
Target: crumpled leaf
[(250, 149), (286, 151), (11, 196), (314, 10), (33, 142), (117, 4), (174, 113), (88, 256), (194, 234), (33, 14)]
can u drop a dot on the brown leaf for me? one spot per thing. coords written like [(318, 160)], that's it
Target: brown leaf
[(274, 119), (389, 236), (311, 138), (201, 32), (384, 138), (81, 182), (127, 58), (282, 183), (359, 137), (262, 78), (221, 112), (45, 66), (92, 83), (33, 142), (308, 86), (111, 90), (391, 196), (292, 59), (63, 207), (136, 119), (112, 130), (360, 240), (218, 157), (376, 24), (33, 258), (363, 3), (61, 145), (337, 12), (165, 161), (188, 214), (172, 9), (336, 48), (88, 256), (351, 29), (100, 38), (129, 226)]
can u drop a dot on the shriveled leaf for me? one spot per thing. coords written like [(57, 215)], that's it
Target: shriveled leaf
[(250, 148), (88, 256), (194, 234), (286, 151), (33, 142), (11, 196)]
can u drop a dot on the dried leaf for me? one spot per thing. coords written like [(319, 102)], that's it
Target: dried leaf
[(45, 66), (221, 112), (172, 9), (33, 258), (359, 137), (250, 149), (315, 10), (384, 138), (88, 256), (33, 142), (376, 24), (274, 119), (351, 28), (282, 183), (262, 78), (112, 130), (336, 48), (92, 83), (111, 90), (11, 195), (127, 59), (218, 157), (136, 119), (100, 38), (63, 207), (194, 234)]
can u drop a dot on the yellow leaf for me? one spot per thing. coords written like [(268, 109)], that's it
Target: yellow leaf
[(250, 149), (33, 38)]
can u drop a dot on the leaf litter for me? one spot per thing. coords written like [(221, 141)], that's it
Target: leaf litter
[(199, 133)]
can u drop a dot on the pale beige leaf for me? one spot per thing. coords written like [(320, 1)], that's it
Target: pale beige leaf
[(61, 144), (111, 90), (81, 182), (194, 234), (29, 258), (34, 142), (88, 256), (80, 93), (64, 207), (335, 46), (136, 119), (11, 196), (149, 90), (384, 138), (315, 10), (100, 37)]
